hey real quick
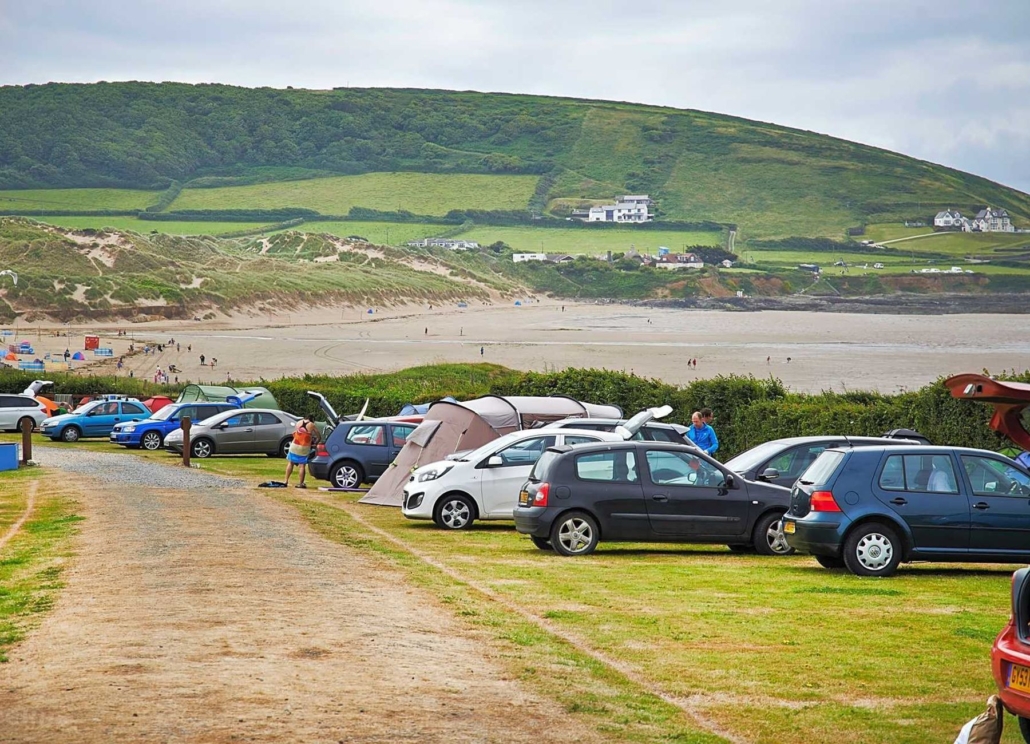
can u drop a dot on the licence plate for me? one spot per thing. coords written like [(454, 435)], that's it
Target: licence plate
[(1019, 678), (788, 528), (523, 498)]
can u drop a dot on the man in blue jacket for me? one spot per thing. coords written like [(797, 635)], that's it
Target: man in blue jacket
[(702, 435)]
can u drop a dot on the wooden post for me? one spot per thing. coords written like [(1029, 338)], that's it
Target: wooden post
[(26, 440), (186, 440)]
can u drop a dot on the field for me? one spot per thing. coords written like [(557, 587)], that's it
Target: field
[(420, 193), (148, 226), (77, 199), (380, 233), (584, 240)]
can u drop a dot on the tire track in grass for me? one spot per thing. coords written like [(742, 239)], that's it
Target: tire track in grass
[(29, 506), (627, 671)]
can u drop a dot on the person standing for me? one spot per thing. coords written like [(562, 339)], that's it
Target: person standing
[(702, 435), (707, 415), (303, 440), (202, 358)]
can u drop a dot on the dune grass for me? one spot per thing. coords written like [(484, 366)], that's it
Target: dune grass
[(149, 226)]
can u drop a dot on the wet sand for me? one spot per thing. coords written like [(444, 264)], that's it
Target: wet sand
[(826, 350)]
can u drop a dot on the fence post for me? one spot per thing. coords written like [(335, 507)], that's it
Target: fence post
[(186, 440), (26, 440)]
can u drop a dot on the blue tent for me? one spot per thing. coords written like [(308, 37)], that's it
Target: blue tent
[(412, 410), (78, 356)]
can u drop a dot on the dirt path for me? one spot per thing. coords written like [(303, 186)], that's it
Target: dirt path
[(30, 504), (218, 615)]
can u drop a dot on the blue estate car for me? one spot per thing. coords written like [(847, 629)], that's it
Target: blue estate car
[(870, 508), (150, 432), (94, 419)]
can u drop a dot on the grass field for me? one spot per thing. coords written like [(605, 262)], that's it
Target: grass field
[(380, 233), (421, 193), (77, 199), (148, 226), (892, 263), (953, 243), (583, 240)]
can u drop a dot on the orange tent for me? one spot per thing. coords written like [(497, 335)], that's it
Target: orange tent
[(50, 405), (11, 357)]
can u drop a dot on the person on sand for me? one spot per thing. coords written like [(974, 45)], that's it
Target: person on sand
[(702, 435), (304, 438), (202, 359)]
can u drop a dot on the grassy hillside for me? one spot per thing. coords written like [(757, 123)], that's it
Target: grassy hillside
[(771, 181)]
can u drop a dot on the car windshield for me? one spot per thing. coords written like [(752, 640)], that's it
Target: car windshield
[(164, 413), (823, 467), (754, 457), (87, 406)]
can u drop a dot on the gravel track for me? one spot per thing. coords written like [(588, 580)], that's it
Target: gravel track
[(115, 467)]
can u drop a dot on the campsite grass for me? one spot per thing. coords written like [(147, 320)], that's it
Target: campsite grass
[(77, 199), (32, 561), (420, 193)]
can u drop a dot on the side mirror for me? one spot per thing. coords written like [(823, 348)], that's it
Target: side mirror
[(729, 482), (769, 474), (223, 425), (495, 461)]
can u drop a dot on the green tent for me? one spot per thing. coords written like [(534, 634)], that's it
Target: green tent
[(220, 393)]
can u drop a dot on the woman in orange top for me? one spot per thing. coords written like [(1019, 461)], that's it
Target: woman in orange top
[(303, 440)]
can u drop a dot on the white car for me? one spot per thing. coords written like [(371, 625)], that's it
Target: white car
[(16, 408), (485, 483)]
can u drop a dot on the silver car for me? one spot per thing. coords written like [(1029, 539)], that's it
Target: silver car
[(244, 431)]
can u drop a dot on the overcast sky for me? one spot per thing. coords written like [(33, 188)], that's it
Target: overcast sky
[(944, 80)]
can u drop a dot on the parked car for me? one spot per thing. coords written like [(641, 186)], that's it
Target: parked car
[(238, 432), (652, 431), (357, 452), (149, 433), (14, 409), (644, 491), (94, 419), (871, 508), (485, 483), (1010, 656), (782, 461)]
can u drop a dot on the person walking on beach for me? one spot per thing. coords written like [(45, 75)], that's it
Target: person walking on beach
[(702, 435), (304, 438), (202, 358), (480, 351)]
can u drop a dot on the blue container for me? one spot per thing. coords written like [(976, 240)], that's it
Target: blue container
[(8, 456)]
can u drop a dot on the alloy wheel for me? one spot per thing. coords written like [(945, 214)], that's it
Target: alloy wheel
[(202, 448), (346, 477), (776, 539), (576, 535), (455, 514), (151, 441)]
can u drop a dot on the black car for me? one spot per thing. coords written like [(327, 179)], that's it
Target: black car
[(782, 461), (871, 508), (642, 491)]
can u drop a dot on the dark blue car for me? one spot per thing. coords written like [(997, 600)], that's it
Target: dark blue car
[(871, 508), (150, 433)]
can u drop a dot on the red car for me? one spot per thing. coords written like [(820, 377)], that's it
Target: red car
[(1010, 656)]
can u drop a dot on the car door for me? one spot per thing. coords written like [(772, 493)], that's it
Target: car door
[(369, 447), (499, 484), (9, 405), (608, 482), (236, 434), (101, 419), (399, 434), (791, 463), (999, 500), (921, 489), (268, 431), (132, 412), (688, 496)]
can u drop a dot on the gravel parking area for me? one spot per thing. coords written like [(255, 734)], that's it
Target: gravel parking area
[(130, 471)]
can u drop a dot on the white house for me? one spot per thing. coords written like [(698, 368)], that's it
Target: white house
[(948, 218), (627, 208), (992, 220), (522, 257), (679, 261)]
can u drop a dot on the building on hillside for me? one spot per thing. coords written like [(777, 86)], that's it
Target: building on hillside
[(559, 258), (948, 218), (813, 268), (992, 220), (454, 245), (628, 208), (727, 264), (523, 257), (679, 261)]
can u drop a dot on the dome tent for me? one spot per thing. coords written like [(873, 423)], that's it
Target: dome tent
[(222, 393)]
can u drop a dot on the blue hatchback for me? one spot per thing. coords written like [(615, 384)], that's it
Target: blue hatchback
[(149, 433), (870, 508), (94, 419)]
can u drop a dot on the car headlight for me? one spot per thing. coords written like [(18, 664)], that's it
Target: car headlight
[(434, 474), (128, 429)]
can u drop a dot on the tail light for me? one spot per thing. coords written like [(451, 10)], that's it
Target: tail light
[(540, 497), (320, 450), (823, 501)]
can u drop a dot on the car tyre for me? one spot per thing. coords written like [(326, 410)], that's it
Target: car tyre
[(767, 537), (541, 542), (71, 434), (1024, 728), (829, 561), (151, 441), (284, 447), (872, 549), (455, 511), (574, 534), (22, 420), (202, 448), (347, 474)]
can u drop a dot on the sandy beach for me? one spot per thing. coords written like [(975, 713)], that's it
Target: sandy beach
[(826, 350)]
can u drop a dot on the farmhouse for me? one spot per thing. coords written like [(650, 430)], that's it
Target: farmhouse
[(454, 245), (949, 218), (548, 257), (679, 261), (986, 220), (628, 208)]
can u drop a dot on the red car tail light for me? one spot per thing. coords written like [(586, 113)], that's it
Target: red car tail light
[(540, 497), (320, 450), (823, 501)]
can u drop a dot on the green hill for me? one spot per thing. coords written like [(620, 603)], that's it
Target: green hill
[(234, 147)]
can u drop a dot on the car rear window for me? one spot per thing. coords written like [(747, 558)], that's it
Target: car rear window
[(539, 471), (825, 465)]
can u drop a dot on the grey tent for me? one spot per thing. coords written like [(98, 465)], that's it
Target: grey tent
[(452, 427)]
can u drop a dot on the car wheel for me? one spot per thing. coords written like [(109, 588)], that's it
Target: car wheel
[(346, 475), (541, 542), (575, 533), (455, 511), (768, 538), (873, 549), (828, 561), (71, 434), (284, 447), (1024, 728), (21, 423), (202, 448), (151, 441)]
